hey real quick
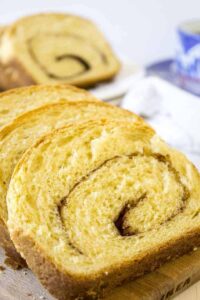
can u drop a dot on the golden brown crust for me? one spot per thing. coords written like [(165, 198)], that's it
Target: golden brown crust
[(50, 87), (8, 246), (13, 75), (18, 101), (64, 105), (64, 288)]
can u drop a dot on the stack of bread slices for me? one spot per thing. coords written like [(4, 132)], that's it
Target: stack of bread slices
[(90, 196)]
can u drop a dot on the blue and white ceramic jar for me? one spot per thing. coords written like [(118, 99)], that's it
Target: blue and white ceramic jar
[(188, 52)]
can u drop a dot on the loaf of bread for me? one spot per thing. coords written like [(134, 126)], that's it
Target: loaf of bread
[(55, 48), (16, 137), (18, 101), (95, 204)]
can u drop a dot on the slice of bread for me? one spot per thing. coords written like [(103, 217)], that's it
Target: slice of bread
[(16, 137), (56, 48), (18, 101), (95, 204)]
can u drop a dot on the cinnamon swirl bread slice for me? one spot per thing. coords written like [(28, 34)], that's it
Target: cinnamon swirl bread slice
[(16, 137), (18, 101), (95, 204), (56, 48)]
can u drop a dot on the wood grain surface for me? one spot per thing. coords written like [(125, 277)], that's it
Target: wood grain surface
[(164, 283)]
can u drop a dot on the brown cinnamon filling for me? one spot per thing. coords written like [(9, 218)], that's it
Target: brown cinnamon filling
[(85, 65), (123, 229), (119, 222)]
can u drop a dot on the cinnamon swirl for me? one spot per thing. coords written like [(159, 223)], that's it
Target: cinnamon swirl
[(95, 204), (56, 48)]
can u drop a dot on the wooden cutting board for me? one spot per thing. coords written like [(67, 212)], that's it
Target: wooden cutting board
[(164, 283)]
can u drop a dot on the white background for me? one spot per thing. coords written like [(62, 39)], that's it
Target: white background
[(144, 30)]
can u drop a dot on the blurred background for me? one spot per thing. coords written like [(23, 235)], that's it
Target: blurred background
[(143, 30)]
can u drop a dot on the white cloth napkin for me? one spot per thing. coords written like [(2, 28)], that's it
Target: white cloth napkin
[(174, 113)]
